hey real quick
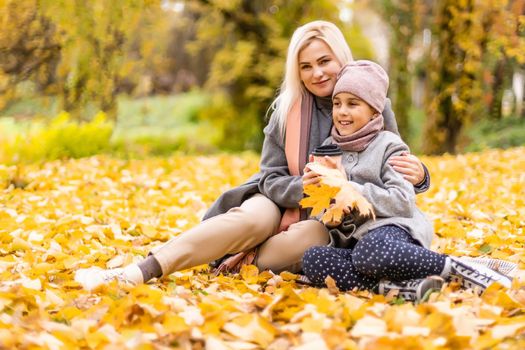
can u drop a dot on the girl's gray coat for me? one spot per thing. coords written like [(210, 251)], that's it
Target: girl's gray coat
[(392, 197)]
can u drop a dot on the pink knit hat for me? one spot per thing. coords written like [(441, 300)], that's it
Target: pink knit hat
[(366, 80)]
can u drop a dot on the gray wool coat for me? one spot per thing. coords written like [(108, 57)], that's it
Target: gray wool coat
[(391, 196)]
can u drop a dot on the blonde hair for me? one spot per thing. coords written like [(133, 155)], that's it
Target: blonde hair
[(292, 87)]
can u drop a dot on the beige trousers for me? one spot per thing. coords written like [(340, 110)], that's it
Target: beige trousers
[(241, 228)]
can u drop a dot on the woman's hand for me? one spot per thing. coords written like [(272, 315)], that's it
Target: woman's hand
[(310, 177), (409, 166)]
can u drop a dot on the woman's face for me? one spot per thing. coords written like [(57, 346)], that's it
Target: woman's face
[(318, 68)]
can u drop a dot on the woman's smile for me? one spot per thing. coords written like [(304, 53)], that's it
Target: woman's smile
[(322, 82)]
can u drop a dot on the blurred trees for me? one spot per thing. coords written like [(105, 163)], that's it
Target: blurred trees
[(87, 52), (467, 60), (404, 23), (29, 49), (248, 42), (472, 40), (92, 36), (74, 49)]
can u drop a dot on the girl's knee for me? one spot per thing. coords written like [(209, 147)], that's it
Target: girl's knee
[(368, 254), (312, 256), (312, 253), (375, 240)]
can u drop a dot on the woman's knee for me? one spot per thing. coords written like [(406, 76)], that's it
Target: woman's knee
[(285, 250), (258, 216), (309, 233)]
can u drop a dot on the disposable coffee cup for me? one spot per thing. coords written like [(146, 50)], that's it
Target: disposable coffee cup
[(333, 151)]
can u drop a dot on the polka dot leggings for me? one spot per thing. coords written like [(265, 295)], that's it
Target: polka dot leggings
[(387, 252)]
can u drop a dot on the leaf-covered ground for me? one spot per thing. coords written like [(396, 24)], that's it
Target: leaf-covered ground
[(64, 215)]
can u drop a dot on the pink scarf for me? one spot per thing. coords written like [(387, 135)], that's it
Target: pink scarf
[(360, 139), (297, 139)]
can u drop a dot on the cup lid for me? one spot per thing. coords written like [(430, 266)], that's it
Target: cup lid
[(327, 150)]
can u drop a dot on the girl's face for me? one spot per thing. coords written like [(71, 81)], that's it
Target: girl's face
[(318, 68), (350, 113)]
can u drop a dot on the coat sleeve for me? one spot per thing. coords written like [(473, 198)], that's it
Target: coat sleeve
[(425, 184), (276, 182), (396, 197), (390, 118), (391, 125)]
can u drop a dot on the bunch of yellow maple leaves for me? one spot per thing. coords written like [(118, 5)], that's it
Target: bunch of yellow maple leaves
[(59, 216)]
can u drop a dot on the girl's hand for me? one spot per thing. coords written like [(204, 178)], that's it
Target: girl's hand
[(333, 164), (310, 177), (409, 166)]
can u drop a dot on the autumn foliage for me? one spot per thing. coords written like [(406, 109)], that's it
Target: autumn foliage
[(59, 216)]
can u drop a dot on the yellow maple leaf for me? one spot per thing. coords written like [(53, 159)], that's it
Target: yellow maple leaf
[(333, 215), (333, 196), (251, 328), (319, 197), (348, 197)]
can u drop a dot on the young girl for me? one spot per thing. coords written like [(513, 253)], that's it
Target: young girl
[(395, 245)]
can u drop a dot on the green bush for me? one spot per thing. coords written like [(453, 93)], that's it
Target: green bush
[(504, 133), (61, 138), (414, 139)]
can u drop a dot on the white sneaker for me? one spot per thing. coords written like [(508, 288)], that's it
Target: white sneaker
[(93, 277), (502, 266), (412, 290), (475, 276)]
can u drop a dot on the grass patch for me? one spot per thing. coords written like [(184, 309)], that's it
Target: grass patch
[(416, 119), (485, 134), (158, 125), (505, 133)]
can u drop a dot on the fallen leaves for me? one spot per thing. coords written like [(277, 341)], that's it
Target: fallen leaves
[(105, 212)]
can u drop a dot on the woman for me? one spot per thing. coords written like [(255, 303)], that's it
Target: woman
[(250, 216)]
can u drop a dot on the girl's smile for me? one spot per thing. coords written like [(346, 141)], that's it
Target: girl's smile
[(350, 113)]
